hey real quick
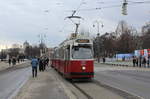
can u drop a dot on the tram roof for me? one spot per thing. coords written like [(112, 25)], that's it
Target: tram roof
[(72, 40)]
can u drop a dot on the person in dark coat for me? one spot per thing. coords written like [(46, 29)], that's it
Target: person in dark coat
[(137, 61), (134, 61), (40, 65), (9, 61), (104, 59), (47, 62), (144, 62), (18, 59), (140, 61), (14, 61), (44, 64), (148, 61)]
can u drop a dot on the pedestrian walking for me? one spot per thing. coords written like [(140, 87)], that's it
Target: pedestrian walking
[(40, 65), (47, 62), (144, 62), (18, 59), (134, 61), (104, 60), (9, 61), (148, 62), (137, 61), (140, 61), (14, 61), (44, 64), (34, 63)]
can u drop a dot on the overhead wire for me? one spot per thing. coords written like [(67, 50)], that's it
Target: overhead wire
[(108, 2), (74, 11), (113, 6), (112, 2)]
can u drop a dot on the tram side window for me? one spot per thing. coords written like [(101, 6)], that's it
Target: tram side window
[(61, 53), (67, 53), (57, 54)]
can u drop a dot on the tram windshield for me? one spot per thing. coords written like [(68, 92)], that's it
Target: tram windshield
[(82, 52)]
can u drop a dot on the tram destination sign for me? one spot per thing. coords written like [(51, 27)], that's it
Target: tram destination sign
[(82, 41)]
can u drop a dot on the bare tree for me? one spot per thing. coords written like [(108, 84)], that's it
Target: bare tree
[(3, 54), (146, 40), (127, 39), (105, 45), (124, 40), (146, 36), (31, 51), (125, 43), (14, 52)]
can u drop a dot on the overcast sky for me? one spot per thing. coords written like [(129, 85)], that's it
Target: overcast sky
[(22, 20)]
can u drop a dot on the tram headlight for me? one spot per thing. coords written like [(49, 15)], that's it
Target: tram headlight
[(83, 67)]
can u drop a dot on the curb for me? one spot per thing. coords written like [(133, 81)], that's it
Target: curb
[(116, 64), (123, 65), (14, 67)]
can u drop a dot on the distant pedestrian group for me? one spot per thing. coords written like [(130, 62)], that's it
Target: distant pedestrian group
[(39, 62), (43, 62), (141, 61), (12, 61)]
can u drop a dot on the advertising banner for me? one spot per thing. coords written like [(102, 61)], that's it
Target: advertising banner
[(137, 53), (144, 52)]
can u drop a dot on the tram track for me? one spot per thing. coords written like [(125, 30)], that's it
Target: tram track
[(82, 91), (97, 90), (91, 90), (94, 89), (118, 91)]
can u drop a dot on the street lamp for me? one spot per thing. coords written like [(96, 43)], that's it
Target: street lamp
[(98, 25), (98, 37)]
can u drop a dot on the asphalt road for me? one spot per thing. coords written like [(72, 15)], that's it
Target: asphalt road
[(12, 81), (132, 80)]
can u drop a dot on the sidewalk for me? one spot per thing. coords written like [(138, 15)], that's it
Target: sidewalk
[(5, 65), (115, 62), (48, 86), (123, 64), (45, 86), (119, 63)]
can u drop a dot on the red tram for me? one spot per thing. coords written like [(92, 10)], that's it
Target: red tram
[(74, 58)]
